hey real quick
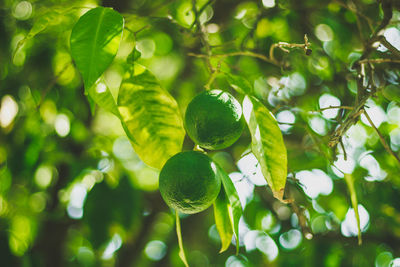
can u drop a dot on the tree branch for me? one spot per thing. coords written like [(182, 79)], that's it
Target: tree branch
[(385, 145)]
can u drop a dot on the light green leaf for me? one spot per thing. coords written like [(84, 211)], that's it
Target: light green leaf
[(234, 207), (267, 144), (223, 219), (240, 84), (353, 196), (42, 22), (152, 117), (101, 95), (95, 40), (180, 242)]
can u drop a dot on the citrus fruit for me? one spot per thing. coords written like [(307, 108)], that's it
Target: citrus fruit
[(214, 120), (188, 182)]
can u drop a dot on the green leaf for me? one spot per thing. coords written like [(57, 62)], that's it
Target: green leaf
[(240, 84), (95, 40), (223, 219), (112, 206), (152, 117), (100, 94), (267, 144), (234, 207), (180, 242), (39, 25), (353, 196)]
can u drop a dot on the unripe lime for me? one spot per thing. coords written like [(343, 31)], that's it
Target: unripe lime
[(188, 182), (392, 92), (214, 120)]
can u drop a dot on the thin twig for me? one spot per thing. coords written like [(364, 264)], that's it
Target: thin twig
[(379, 60), (389, 46), (333, 107), (302, 220), (344, 150), (136, 32), (238, 53), (354, 9), (385, 145), (284, 45), (203, 37), (51, 84)]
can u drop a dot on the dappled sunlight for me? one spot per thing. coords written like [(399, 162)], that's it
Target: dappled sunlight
[(376, 113), (43, 176), (250, 167), (349, 225), (318, 125), (268, 3), (392, 35), (22, 10), (146, 47), (8, 110), (243, 187), (62, 125), (344, 165), (285, 119), (291, 239), (375, 173), (114, 244), (155, 250), (261, 241), (315, 182), (324, 32), (356, 136), (328, 100), (76, 200)]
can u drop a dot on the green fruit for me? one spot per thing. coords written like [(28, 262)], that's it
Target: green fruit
[(188, 182), (214, 120), (392, 92)]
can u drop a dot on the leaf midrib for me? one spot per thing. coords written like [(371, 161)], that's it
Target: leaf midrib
[(95, 44)]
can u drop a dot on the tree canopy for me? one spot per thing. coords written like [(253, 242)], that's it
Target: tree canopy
[(93, 96)]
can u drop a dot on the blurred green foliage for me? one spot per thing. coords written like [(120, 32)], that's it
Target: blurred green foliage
[(73, 192)]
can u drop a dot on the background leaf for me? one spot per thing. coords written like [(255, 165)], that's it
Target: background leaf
[(240, 84), (94, 41), (354, 202), (101, 95), (223, 219), (235, 208), (152, 117), (267, 144), (112, 206)]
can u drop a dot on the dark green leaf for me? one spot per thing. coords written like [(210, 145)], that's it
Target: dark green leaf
[(152, 117), (95, 40), (235, 208), (267, 144), (111, 206)]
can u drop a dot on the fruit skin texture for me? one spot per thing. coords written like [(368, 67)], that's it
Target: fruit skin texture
[(392, 92), (214, 119), (188, 182)]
